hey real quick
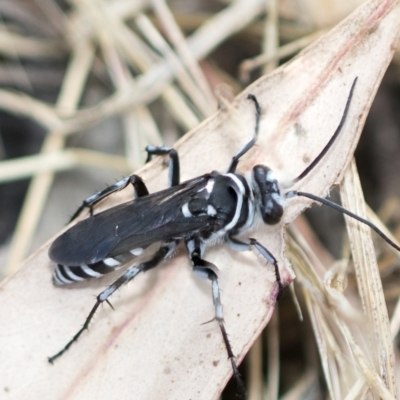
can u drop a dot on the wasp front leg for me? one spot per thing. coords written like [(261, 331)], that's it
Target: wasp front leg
[(238, 245)]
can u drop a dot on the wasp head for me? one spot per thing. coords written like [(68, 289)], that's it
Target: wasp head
[(268, 194)]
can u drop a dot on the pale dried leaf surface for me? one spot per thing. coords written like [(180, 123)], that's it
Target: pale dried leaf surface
[(324, 13), (153, 345)]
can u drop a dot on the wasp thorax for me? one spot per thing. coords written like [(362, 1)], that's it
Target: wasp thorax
[(266, 187)]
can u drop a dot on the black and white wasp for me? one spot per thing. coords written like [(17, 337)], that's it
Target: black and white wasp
[(197, 212)]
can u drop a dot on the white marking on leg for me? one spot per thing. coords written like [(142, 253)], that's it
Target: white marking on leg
[(106, 293), (121, 183), (92, 198), (190, 247), (217, 301), (265, 253), (236, 244), (131, 272), (218, 312), (201, 272), (215, 291), (202, 247)]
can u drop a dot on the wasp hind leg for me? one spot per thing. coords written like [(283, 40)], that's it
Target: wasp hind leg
[(164, 251), (203, 269), (135, 180)]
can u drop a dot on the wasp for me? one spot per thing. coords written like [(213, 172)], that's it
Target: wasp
[(199, 212)]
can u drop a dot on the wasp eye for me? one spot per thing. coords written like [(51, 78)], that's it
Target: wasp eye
[(271, 207), (272, 210)]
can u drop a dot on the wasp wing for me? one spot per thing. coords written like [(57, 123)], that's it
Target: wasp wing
[(135, 224)]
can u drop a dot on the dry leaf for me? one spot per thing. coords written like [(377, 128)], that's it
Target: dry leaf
[(153, 346)]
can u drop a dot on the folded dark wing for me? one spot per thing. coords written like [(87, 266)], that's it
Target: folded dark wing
[(135, 224)]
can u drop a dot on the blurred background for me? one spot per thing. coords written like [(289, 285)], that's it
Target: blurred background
[(86, 85)]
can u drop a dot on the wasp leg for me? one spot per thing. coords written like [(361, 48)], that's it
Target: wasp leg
[(136, 181), (252, 141), (174, 170), (203, 269), (164, 251), (238, 245), (272, 260)]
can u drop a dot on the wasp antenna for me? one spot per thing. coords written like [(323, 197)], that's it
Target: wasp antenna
[(343, 210), (332, 139)]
